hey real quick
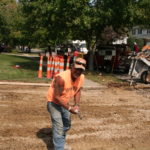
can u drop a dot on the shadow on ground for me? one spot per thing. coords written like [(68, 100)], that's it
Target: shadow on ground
[(46, 135), (27, 63)]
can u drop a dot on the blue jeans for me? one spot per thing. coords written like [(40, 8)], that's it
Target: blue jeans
[(61, 123)]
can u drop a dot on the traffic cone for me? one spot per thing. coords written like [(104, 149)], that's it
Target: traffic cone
[(68, 63), (40, 67), (52, 67), (56, 62), (61, 64), (49, 58), (58, 65)]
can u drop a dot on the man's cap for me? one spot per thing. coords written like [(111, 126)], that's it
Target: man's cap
[(80, 63)]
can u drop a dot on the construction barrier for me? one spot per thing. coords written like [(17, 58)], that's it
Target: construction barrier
[(49, 64), (68, 63), (40, 67), (61, 64), (55, 65)]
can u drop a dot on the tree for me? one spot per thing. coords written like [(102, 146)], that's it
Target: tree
[(109, 15), (143, 17), (8, 13), (52, 22)]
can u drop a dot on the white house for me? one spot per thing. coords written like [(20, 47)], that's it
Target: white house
[(137, 32), (140, 32)]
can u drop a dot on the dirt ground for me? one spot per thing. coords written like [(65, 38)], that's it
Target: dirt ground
[(115, 118)]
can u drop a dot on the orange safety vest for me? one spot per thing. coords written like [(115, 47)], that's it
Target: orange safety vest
[(70, 87)]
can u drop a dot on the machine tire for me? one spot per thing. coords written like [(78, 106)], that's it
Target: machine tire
[(144, 76)]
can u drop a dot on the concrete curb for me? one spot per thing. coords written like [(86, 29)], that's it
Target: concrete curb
[(47, 85), (24, 83)]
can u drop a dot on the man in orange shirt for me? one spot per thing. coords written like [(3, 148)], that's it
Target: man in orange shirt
[(65, 87)]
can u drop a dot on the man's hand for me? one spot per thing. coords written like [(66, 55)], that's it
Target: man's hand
[(74, 110)]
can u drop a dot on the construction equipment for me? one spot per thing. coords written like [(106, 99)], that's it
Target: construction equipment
[(140, 66), (112, 58)]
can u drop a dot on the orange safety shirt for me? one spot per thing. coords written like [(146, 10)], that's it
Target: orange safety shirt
[(70, 87)]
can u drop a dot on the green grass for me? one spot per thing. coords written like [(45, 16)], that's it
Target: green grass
[(102, 78), (27, 72)]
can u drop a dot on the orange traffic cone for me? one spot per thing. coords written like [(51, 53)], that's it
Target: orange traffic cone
[(58, 63), (52, 67), (61, 65), (68, 63), (40, 67), (56, 66), (49, 59)]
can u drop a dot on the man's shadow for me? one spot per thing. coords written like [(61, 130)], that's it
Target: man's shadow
[(46, 135)]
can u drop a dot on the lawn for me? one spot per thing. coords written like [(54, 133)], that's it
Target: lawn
[(28, 70)]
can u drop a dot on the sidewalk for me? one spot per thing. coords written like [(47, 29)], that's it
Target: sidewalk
[(91, 85), (88, 84)]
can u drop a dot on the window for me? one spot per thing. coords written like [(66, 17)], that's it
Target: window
[(148, 31), (139, 31), (133, 31)]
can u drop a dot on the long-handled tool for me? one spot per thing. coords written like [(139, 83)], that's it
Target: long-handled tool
[(79, 115)]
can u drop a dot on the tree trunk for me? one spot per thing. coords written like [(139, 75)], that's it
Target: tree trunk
[(91, 57), (90, 60)]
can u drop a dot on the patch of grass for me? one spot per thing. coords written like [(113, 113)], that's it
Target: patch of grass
[(15, 51), (28, 70), (102, 78)]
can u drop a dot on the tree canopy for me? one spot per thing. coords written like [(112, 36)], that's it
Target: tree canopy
[(8, 17), (48, 22), (51, 22)]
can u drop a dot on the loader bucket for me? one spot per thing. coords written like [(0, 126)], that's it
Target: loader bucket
[(146, 47)]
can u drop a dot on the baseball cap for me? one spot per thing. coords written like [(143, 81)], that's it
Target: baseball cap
[(80, 63)]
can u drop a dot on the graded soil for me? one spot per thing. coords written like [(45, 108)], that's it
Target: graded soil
[(114, 118)]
